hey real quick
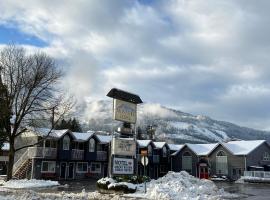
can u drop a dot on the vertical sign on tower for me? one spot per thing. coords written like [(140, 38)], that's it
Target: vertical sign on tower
[(123, 150)]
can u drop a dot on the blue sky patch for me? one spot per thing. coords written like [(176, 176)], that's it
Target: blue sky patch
[(13, 35)]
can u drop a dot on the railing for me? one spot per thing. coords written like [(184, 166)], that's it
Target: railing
[(24, 157), (4, 158), (155, 158), (42, 152), (257, 174), (34, 152), (77, 154), (101, 155)]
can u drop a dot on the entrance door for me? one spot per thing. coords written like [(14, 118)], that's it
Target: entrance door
[(63, 168), (105, 174), (71, 168), (204, 172)]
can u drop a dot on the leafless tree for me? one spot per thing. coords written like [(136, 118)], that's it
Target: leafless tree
[(31, 81)]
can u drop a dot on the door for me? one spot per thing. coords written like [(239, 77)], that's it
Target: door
[(71, 168), (204, 172), (105, 170), (63, 169)]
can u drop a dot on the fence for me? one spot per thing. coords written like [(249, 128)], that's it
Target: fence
[(257, 174)]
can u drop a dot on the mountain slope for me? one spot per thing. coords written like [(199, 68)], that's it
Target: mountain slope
[(171, 125)]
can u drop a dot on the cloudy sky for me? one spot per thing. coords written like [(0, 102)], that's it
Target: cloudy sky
[(200, 56)]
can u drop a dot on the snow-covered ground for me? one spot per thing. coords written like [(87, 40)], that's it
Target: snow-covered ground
[(181, 185), (173, 186), (253, 179), (25, 183)]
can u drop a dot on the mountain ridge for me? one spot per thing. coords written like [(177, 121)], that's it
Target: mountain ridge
[(170, 124)]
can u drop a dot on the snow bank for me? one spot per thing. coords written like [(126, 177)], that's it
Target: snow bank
[(9, 194), (105, 180), (253, 179), (25, 183), (128, 185), (181, 185)]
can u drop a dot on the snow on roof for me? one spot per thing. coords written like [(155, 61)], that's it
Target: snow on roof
[(202, 149), (143, 143), (159, 145), (44, 132), (242, 147), (5, 146), (175, 147), (104, 138), (82, 136), (259, 167)]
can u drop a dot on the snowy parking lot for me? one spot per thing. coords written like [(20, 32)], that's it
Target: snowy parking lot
[(174, 186)]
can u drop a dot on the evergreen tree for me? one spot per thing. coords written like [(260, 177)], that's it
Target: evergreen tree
[(75, 126), (71, 124), (139, 133)]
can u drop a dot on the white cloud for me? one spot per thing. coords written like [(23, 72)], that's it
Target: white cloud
[(205, 56)]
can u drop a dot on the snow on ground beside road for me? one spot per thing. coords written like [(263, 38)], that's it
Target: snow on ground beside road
[(175, 186), (9, 194), (25, 183)]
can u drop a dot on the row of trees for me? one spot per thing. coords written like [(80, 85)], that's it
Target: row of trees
[(71, 124), (28, 90)]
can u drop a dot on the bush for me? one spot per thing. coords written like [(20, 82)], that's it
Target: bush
[(121, 183), (132, 179)]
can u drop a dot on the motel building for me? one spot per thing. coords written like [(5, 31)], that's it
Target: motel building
[(67, 155), (4, 158)]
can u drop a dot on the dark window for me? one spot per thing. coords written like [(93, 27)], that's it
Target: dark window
[(48, 143)]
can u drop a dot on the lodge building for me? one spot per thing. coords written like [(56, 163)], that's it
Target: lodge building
[(66, 155)]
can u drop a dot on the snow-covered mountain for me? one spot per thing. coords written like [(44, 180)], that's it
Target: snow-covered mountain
[(171, 125)]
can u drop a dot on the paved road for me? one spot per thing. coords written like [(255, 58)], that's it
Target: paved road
[(72, 186), (247, 191)]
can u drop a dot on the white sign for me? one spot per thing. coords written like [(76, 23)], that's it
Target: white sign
[(124, 111), (123, 166), (124, 147), (144, 161)]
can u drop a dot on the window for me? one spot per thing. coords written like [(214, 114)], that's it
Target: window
[(92, 144), (99, 147), (50, 143), (266, 156), (187, 162), (66, 143), (221, 163), (95, 168), (149, 150), (80, 146), (48, 166), (82, 167), (164, 150), (163, 169)]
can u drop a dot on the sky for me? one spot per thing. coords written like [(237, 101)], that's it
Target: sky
[(204, 57)]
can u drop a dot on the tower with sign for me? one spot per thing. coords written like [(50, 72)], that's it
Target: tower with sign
[(123, 146)]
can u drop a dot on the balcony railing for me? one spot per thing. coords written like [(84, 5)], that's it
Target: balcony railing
[(257, 174), (155, 158), (101, 156), (42, 152), (77, 154)]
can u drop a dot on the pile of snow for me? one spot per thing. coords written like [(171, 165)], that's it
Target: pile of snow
[(128, 185), (25, 183), (9, 194), (181, 185), (105, 180)]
